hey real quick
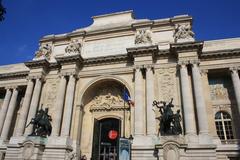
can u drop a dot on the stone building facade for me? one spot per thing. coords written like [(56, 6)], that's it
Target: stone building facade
[(80, 76)]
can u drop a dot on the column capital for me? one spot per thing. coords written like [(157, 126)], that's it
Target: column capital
[(11, 87), (234, 69), (183, 64), (138, 68), (149, 67), (37, 76), (68, 73), (194, 62), (203, 71)]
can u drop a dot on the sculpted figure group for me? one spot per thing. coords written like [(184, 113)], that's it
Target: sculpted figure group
[(170, 123), (41, 124), (44, 51)]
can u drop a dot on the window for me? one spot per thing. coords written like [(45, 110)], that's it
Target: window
[(223, 124)]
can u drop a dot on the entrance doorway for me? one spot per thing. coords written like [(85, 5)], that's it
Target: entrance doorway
[(105, 139)]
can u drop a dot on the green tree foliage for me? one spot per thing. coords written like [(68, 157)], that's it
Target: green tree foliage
[(2, 11)]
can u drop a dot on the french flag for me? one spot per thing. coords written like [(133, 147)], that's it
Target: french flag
[(127, 98)]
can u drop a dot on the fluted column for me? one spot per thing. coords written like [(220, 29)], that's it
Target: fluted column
[(4, 109), (34, 105), (68, 106), (9, 116), (59, 107), (25, 107), (151, 123), (139, 110), (189, 118), (236, 85), (200, 100)]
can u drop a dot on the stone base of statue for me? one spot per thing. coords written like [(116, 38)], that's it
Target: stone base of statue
[(25, 148), (176, 147), (59, 148)]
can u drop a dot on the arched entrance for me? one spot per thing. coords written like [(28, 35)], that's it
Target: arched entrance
[(105, 113), (105, 139)]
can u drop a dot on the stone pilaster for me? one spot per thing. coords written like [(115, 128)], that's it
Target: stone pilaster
[(25, 108), (68, 106), (139, 108), (200, 104), (188, 110), (4, 109), (9, 116), (151, 122), (236, 85), (34, 104), (59, 106)]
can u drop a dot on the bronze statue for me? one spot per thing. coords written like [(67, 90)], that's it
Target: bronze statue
[(41, 124), (169, 122)]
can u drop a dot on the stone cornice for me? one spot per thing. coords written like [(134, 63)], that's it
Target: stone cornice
[(147, 23), (43, 63), (16, 75), (220, 66), (219, 54), (69, 59), (186, 47), (105, 60), (143, 51)]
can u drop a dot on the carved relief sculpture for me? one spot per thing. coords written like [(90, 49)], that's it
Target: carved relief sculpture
[(73, 47), (107, 99), (167, 83), (44, 51), (183, 32), (143, 37)]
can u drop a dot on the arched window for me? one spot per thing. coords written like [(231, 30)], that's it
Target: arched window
[(223, 124)]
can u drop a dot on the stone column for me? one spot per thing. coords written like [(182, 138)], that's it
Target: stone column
[(68, 107), (59, 107), (236, 85), (34, 105), (9, 116), (25, 107), (5, 108), (139, 110), (188, 110), (151, 123), (200, 103)]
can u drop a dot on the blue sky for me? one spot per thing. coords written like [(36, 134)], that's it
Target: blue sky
[(29, 20)]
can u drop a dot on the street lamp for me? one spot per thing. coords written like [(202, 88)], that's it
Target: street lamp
[(2, 11)]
